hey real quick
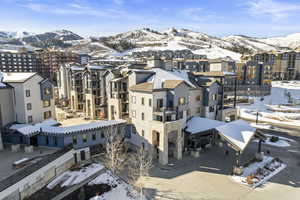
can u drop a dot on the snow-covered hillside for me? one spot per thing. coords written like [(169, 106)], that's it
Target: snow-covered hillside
[(291, 41), (147, 39), (253, 44)]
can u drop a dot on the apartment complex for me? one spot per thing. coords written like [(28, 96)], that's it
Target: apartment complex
[(30, 98), (50, 60), (44, 62), (285, 65), (84, 89), (18, 61)]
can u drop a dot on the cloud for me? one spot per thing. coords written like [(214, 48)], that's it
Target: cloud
[(78, 9), (271, 8), (119, 2), (199, 14)]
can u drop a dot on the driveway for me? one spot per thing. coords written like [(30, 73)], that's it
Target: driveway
[(208, 177)]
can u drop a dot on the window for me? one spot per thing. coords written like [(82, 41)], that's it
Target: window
[(27, 93), (55, 141), (143, 133), (84, 138), (30, 119), (211, 108), (47, 91), (102, 135), (29, 106), (215, 97), (181, 101), (133, 99), (133, 114), (47, 115), (199, 110), (94, 136), (46, 103), (143, 101), (150, 102), (198, 98), (47, 140), (143, 116)]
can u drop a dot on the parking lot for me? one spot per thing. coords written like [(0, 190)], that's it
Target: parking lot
[(209, 176)]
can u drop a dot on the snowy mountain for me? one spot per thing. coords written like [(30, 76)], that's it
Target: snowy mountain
[(55, 38), (290, 41), (146, 39)]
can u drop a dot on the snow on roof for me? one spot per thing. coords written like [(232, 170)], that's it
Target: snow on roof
[(238, 133), (83, 127), (48, 122), (161, 76), (198, 124), (77, 68), (49, 127), (96, 67), (17, 77)]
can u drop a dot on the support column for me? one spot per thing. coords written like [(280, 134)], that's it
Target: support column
[(179, 145), (163, 149)]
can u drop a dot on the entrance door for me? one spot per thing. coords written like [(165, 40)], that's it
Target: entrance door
[(33, 141), (82, 155)]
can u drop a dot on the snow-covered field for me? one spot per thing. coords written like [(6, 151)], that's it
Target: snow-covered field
[(281, 108)]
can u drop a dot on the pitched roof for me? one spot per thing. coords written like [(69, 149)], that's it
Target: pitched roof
[(143, 87), (161, 76), (17, 77), (171, 84)]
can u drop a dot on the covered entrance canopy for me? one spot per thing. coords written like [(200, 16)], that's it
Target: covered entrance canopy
[(237, 133)]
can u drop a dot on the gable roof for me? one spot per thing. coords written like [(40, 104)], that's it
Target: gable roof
[(17, 77), (142, 87)]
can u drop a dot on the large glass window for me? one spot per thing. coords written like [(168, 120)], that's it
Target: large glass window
[(46, 103)]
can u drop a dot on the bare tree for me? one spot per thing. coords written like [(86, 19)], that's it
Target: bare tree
[(114, 147), (139, 166)]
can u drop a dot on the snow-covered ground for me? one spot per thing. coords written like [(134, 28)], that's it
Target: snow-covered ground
[(70, 178), (120, 189), (282, 141), (276, 108), (269, 168)]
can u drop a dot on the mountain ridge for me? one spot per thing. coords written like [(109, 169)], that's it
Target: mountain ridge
[(148, 39)]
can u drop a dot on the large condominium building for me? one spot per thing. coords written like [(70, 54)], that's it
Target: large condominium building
[(32, 98), (50, 60), (84, 89), (11, 61), (284, 64)]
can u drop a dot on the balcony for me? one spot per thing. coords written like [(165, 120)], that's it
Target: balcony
[(165, 110)]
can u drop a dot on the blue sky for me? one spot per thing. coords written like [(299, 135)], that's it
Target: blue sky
[(104, 17)]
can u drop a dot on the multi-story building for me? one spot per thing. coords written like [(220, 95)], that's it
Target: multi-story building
[(158, 108), (32, 97), (6, 107), (117, 94), (285, 65), (84, 88), (12, 61), (50, 60)]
